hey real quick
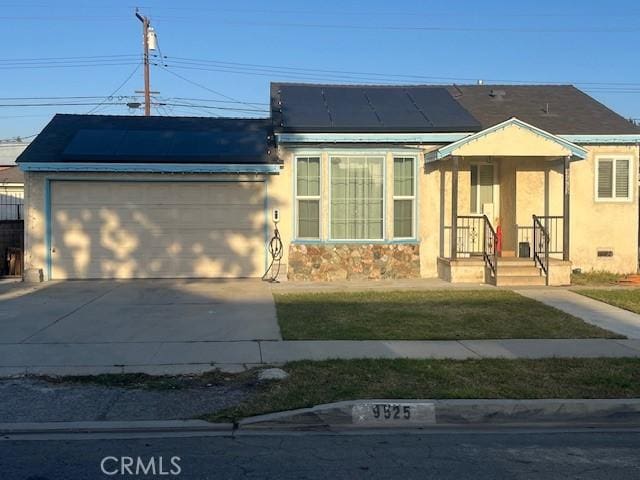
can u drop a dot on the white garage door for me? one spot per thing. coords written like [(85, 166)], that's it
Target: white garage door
[(157, 229)]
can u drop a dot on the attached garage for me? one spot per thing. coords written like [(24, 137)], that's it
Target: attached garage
[(157, 197), (157, 229)]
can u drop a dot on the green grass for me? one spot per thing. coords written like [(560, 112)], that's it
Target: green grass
[(425, 315), (313, 383), (595, 277), (627, 298)]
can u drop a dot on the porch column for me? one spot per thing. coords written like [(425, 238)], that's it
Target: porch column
[(454, 208), (566, 220)]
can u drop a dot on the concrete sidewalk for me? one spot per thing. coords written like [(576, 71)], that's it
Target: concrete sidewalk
[(592, 311), (195, 357)]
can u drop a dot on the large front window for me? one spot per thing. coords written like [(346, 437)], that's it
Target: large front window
[(357, 198)]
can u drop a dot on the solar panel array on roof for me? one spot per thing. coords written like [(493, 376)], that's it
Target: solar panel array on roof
[(134, 139), (350, 108), (163, 145)]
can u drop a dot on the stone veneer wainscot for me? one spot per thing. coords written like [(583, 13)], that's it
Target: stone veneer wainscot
[(353, 261)]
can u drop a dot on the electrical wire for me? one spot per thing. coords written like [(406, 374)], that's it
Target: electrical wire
[(126, 80), (166, 69)]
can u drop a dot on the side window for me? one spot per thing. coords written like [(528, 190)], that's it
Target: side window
[(404, 197), (613, 179), (308, 197)]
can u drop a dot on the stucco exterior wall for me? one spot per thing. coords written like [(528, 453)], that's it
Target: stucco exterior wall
[(605, 225), (525, 186), (427, 195)]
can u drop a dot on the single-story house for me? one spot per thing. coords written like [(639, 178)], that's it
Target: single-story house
[(487, 183)]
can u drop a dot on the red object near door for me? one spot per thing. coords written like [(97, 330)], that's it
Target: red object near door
[(499, 240)]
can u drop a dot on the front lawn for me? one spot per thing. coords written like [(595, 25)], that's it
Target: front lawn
[(627, 298), (313, 383), (595, 278), (424, 315)]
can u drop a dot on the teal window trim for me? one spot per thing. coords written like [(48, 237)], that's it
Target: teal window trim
[(413, 198), (399, 241), (317, 198)]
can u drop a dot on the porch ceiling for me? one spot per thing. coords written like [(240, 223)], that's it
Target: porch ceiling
[(512, 138)]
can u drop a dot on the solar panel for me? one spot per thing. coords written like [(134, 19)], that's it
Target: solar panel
[(350, 107), (362, 108), (104, 141), (396, 108), (304, 107), (442, 109), (166, 145)]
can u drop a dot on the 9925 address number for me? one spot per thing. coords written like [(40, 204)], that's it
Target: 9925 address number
[(388, 411)]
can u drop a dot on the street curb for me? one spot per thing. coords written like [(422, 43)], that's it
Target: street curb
[(456, 413), (158, 426)]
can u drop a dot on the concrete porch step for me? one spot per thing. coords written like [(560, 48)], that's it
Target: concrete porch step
[(519, 280), (518, 271), (516, 262)]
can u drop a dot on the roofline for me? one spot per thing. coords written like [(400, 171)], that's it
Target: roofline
[(437, 137), (286, 138), (405, 85), (148, 167), (623, 139), (447, 150)]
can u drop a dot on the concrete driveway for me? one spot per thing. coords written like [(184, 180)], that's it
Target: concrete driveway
[(113, 324)]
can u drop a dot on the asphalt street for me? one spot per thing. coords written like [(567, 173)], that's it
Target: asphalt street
[(460, 454)]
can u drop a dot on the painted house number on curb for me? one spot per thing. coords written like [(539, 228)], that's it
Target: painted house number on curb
[(379, 413)]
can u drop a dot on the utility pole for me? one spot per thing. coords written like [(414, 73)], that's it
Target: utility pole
[(145, 42)]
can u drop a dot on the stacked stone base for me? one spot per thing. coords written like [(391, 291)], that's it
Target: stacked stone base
[(353, 262)]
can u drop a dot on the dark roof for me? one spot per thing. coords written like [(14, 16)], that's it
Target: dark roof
[(557, 109), (11, 174), (310, 108), (110, 138)]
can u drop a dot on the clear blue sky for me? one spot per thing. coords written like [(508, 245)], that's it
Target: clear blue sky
[(593, 44)]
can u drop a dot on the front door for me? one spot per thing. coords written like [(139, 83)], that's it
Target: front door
[(482, 194)]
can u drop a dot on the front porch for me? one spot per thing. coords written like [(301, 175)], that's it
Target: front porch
[(505, 207)]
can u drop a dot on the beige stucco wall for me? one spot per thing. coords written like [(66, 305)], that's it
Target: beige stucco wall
[(526, 186), (603, 225)]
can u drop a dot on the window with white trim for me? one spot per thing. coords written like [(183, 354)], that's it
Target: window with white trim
[(613, 178), (404, 197), (308, 197), (357, 197)]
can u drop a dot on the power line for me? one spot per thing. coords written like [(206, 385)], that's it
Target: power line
[(359, 13), (202, 86), (80, 65), (126, 80), (434, 28), (218, 108), (260, 67), (49, 59)]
